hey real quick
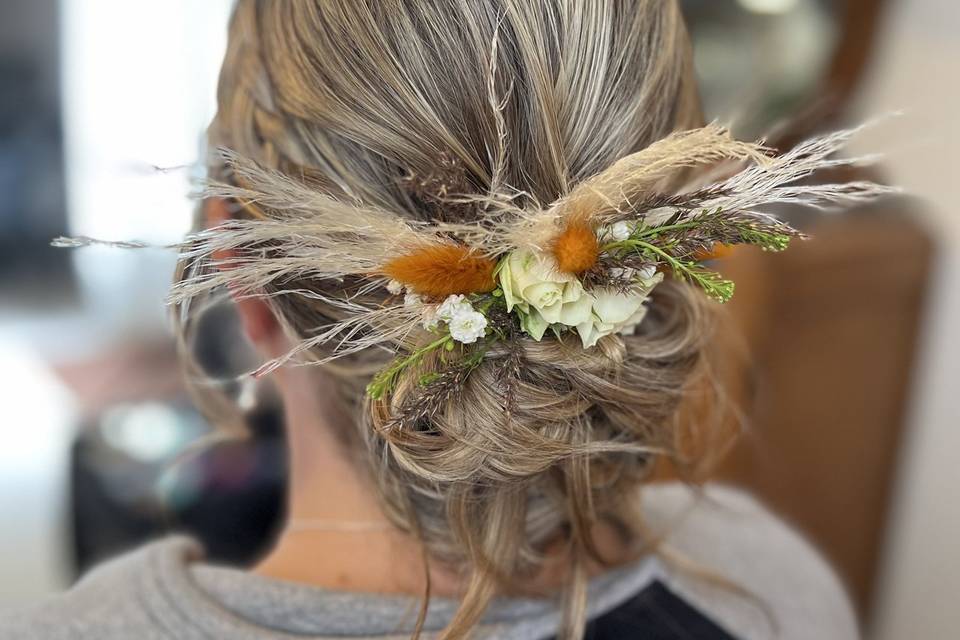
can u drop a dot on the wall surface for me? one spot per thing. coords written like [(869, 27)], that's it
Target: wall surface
[(916, 72)]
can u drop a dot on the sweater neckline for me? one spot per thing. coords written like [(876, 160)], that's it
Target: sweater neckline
[(182, 591)]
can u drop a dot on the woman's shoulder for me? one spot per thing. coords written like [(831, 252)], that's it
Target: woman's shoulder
[(757, 576), (116, 600)]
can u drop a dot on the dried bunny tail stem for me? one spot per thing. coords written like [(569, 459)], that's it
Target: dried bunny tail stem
[(63, 242), (498, 155), (255, 269), (832, 196), (335, 253), (627, 182), (242, 276)]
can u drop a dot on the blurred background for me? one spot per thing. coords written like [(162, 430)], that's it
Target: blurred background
[(852, 395)]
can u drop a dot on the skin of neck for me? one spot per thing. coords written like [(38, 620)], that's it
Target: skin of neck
[(365, 555)]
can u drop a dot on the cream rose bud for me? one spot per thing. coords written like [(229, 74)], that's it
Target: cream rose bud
[(543, 295), (615, 312), (611, 312), (577, 311), (395, 287), (528, 277), (467, 326), (613, 307), (534, 324), (619, 232), (650, 273)]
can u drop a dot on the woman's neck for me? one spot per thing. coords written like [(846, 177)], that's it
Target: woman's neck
[(337, 535)]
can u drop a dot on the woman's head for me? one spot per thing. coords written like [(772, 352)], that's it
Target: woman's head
[(402, 105)]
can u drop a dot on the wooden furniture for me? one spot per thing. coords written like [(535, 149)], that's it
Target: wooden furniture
[(832, 328)]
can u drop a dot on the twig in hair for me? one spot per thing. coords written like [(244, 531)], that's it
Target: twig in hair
[(680, 240), (384, 381), (436, 389), (509, 377)]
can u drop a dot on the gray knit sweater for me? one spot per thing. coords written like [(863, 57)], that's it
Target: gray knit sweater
[(165, 591)]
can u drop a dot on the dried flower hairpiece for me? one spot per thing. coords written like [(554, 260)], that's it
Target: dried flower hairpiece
[(452, 288)]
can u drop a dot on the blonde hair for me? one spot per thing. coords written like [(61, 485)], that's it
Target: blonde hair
[(386, 103)]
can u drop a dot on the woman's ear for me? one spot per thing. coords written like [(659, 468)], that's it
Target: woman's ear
[(258, 321)]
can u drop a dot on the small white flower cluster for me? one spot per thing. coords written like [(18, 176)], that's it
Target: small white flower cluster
[(394, 287), (466, 324)]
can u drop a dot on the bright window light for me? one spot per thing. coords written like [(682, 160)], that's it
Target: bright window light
[(139, 84), (769, 6)]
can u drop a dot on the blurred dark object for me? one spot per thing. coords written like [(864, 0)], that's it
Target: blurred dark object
[(232, 498), (33, 206), (152, 466), (229, 496)]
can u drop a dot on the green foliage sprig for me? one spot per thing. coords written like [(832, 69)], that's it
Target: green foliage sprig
[(436, 388), (385, 381), (487, 304), (680, 241)]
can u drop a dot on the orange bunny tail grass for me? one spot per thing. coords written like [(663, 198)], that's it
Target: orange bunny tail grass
[(576, 248), (443, 270)]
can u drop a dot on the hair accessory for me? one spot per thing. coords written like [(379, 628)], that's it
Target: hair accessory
[(584, 265)]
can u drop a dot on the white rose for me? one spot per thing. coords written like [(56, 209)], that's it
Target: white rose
[(630, 328), (532, 283), (395, 287), (534, 324), (611, 310), (615, 312), (467, 326)]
